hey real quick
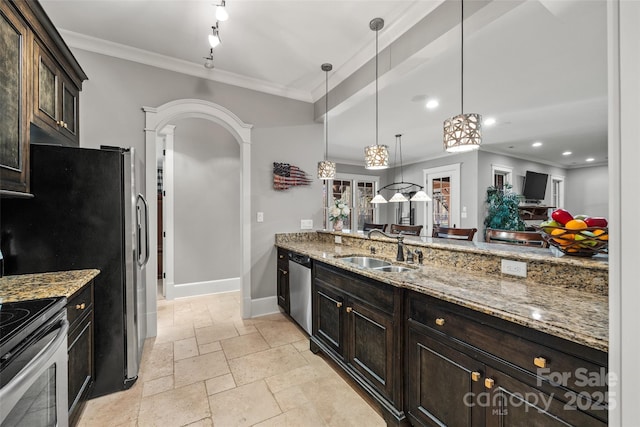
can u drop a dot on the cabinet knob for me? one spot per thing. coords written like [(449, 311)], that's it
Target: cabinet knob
[(59, 122), (338, 304), (281, 256), (349, 309), (540, 362), (489, 383), (440, 321), (80, 306), (285, 272), (64, 125), (475, 376)]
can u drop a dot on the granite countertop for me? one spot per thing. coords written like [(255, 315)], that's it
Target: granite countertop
[(575, 315), (44, 285)]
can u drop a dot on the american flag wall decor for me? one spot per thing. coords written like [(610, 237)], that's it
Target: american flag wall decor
[(286, 176)]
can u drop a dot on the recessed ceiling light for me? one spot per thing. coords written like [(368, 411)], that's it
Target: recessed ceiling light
[(536, 144), (590, 159), (567, 153), (432, 103), (489, 121)]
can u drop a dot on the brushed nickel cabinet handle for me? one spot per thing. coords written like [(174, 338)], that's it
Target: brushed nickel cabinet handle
[(475, 376), (349, 309), (440, 321), (489, 383), (80, 306), (338, 304)]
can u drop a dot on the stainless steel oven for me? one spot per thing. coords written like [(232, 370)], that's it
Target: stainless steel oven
[(33, 357)]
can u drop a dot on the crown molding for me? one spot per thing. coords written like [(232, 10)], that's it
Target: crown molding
[(128, 53)]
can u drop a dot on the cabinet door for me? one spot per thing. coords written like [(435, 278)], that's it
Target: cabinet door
[(514, 403), (442, 383), (371, 351), (328, 317), (45, 89), (283, 289), (69, 110), (80, 364), (14, 139)]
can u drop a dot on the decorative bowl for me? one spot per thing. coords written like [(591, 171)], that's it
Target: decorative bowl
[(586, 242)]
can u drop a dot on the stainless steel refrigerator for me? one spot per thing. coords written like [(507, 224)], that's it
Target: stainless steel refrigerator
[(87, 212)]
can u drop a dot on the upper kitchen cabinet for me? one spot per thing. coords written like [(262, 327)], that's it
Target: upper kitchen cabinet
[(14, 93), (40, 94)]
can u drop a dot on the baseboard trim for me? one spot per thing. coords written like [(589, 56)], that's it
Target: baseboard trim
[(203, 288), (264, 306)]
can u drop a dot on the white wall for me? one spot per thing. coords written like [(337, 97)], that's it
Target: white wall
[(587, 191), (284, 130), (206, 202)]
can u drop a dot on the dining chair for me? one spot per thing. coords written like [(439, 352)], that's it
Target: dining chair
[(454, 233), (370, 226), (522, 238), (411, 230)]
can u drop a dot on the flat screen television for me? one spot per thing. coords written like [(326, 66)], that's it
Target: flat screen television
[(535, 186)]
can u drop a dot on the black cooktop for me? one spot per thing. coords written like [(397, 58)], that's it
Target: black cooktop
[(18, 320)]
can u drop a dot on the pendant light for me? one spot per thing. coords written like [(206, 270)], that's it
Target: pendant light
[(221, 12), (214, 37), (376, 156), (326, 169), (401, 187), (464, 131)]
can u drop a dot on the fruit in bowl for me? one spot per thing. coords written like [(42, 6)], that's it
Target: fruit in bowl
[(580, 235)]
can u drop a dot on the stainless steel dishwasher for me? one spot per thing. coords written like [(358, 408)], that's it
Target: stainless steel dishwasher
[(300, 290)]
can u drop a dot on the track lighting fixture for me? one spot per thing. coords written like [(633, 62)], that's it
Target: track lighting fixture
[(214, 38), (221, 12)]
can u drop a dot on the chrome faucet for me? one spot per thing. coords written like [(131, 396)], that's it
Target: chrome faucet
[(399, 237)]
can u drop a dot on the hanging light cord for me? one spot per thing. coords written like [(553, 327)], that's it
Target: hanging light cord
[(462, 56), (326, 115), (377, 86)]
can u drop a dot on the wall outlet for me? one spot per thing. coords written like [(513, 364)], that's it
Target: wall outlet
[(260, 217), (338, 239), (514, 268), (306, 224)]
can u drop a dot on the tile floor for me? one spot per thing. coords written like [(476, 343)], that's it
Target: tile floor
[(209, 367)]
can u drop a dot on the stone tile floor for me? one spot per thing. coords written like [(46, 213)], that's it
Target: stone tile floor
[(209, 367)]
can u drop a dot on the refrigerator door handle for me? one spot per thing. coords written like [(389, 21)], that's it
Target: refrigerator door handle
[(146, 232)]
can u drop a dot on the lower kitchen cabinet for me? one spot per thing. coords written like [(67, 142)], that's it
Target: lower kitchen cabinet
[(80, 350), (282, 280), (354, 323), (464, 368)]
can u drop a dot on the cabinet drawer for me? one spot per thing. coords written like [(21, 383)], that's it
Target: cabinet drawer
[(379, 295), (543, 358), (283, 259), (80, 303)]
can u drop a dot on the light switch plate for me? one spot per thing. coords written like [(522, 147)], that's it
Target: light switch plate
[(306, 224), (514, 268), (338, 239), (260, 217)]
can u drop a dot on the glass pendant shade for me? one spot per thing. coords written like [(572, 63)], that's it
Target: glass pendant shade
[(326, 170), (214, 39), (378, 199), (398, 198), (221, 12), (420, 196), (463, 133), (376, 157)]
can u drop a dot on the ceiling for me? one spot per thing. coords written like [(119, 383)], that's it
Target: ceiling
[(539, 67)]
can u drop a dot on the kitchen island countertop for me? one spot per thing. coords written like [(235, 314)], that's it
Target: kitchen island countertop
[(44, 285), (575, 315)]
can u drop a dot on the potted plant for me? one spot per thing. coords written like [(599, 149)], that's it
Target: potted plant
[(502, 209), (338, 213)]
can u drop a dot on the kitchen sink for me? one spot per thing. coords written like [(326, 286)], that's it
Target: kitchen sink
[(367, 262), (393, 269)]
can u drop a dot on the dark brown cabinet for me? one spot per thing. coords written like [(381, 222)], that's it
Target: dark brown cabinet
[(282, 280), (80, 350), (40, 91), (55, 106), (354, 323), (466, 368), (14, 126)]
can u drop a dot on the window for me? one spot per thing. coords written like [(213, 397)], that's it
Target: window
[(357, 191), (557, 191), (501, 175)]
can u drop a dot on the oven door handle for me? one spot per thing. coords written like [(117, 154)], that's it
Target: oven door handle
[(39, 362)]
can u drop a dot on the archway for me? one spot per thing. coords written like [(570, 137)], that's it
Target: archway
[(156, 118)]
